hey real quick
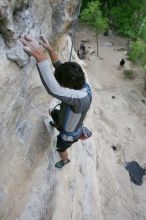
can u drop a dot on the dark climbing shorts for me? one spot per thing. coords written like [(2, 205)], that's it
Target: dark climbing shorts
[(61, 145)]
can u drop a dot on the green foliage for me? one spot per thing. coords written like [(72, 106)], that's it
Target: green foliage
[(128, 16), (121, 20), (137, 52), (142, 30), (93, 16), (145, 83), (128, 73), (84, 4)]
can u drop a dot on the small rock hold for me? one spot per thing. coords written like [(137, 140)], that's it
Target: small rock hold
[(114, 148), (121, 49), (108, 44), (86, 41), (18, 55), (143, 101), (92, 51), (113, 97)]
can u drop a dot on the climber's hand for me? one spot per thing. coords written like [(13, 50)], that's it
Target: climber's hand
[(45, 43), (32, 47)]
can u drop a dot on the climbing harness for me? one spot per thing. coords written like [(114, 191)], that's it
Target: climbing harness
[(80, 133), (74, 28)]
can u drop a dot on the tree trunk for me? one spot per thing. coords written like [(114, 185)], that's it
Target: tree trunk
[(97, 45)]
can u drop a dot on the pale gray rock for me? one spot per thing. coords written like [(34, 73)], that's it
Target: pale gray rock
[(26, 147), (86, 40), (36, 17), (95, 185), (18, 55), (108, 44), (91, 51), (6, 22), (63, 15)]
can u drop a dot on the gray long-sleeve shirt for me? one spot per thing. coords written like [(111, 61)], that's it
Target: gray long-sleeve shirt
[(74, 103)]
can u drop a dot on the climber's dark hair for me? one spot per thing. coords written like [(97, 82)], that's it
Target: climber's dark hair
[(70, 75)]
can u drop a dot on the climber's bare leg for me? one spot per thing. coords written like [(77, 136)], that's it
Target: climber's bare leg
[(64, 155), (64, 161)]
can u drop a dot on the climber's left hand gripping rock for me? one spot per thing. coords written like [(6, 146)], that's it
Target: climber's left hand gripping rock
[(32, 47)]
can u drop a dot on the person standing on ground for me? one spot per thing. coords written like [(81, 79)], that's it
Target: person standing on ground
[(82, 51), (68, 84)]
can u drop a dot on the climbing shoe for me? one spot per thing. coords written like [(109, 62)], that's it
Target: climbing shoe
[(61, 163)]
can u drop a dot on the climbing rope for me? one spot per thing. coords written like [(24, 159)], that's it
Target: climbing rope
[(74, 28)]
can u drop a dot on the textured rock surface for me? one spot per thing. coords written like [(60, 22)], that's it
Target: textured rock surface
[(94, 186), (52, 18), (120, 122), (24, 139), (18, 55)]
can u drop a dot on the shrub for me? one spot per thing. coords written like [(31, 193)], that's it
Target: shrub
[(128, 74), (137, 53), (142, 30)]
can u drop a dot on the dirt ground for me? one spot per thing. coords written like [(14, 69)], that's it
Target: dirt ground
[(111, 50), (119, 120)]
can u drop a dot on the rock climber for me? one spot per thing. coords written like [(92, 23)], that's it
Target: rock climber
[(68, 84)]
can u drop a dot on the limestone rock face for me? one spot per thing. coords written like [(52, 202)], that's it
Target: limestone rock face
[(36, 17), (95, 185), (24, 139)]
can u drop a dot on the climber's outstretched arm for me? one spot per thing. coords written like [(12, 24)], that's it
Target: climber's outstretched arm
[(32, 47), (78, 98), (45, 43)]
